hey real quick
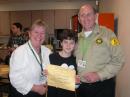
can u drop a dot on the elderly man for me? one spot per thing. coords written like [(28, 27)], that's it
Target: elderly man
[(99, 56)]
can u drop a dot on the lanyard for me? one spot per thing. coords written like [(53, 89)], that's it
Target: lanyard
[(40, 63), (85, 44)]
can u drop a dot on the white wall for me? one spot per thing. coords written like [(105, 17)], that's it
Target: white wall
[(42, 5), (121, 10)]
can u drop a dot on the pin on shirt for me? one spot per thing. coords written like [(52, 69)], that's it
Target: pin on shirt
[(99, 41), (114, 42)]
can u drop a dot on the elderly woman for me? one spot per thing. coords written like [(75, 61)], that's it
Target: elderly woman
[(27, 63)]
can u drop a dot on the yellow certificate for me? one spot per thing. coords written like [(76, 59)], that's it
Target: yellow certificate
[(61, 77)]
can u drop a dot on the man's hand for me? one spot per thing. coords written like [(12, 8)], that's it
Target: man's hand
[(91, 77)]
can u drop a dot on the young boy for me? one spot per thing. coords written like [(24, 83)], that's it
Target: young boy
[(64, 58)]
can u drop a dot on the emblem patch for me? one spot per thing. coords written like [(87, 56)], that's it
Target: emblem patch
[(114, 42), (99, 41)]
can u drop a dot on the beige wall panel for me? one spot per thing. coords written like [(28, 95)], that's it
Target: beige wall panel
[(24, 17), (70, 13), (48, 17), (61, 19), (4, 23), (36, 14)]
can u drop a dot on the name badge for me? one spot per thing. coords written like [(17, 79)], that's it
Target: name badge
[(43, 78), (81, 63)]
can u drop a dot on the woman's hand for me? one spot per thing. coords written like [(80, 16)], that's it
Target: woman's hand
[(45, 72), (40, 89)]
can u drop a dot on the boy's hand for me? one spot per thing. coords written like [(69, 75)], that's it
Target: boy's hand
[(77, 79)]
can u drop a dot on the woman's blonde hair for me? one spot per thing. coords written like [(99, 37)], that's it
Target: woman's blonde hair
[(39, 22)]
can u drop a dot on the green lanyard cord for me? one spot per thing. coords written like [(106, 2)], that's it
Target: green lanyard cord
[(84, 46), (40, 63)]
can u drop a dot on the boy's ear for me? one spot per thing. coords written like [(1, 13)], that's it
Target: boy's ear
[(60, 43)]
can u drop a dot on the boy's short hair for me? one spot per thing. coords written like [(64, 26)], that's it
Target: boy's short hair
[(68, 34)]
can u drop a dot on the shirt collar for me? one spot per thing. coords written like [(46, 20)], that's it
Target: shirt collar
[(95, 30), (87, 33)]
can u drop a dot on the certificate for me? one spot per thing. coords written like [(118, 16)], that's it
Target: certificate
[(61, 77)]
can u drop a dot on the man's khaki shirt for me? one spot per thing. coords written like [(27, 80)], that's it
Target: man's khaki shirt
[(104, 54)]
